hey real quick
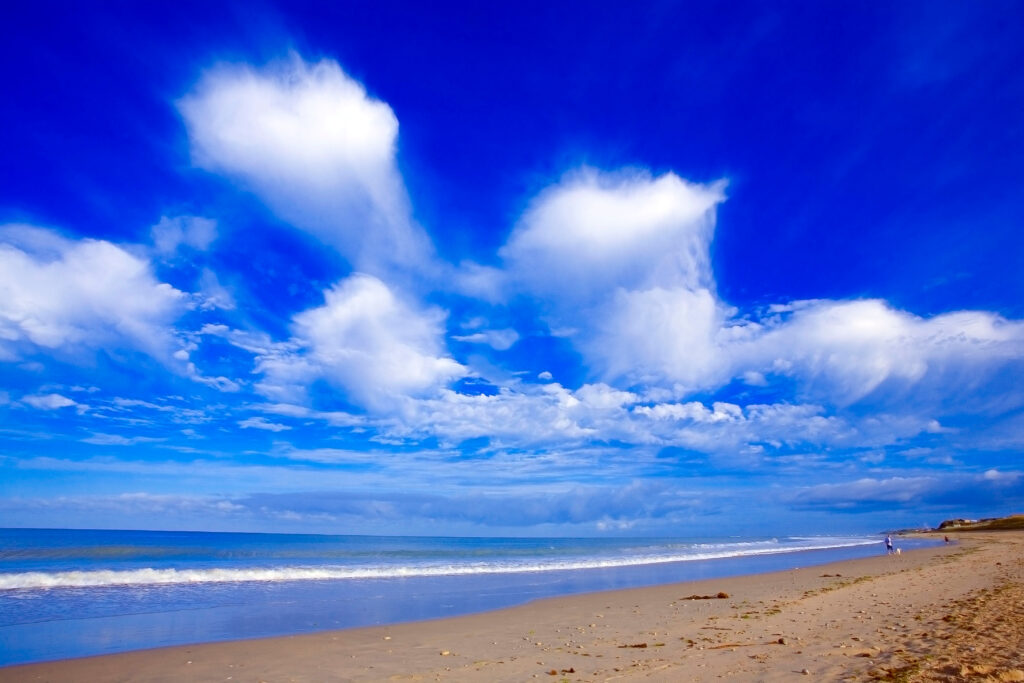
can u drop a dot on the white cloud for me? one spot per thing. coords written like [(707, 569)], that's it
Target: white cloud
[(658, 335), (48, 401), (695, 411), (311, 143), (99, 509), (842, 351), (471, 279), (60, 294), (212, 294), (553, 416), (100, 439), (526, 415), (500, 340), (366, 340), (191, 231), (224, 384), (996, 476), (729, 429), (958, 490), (129, 403), (330, 456), (332, 417), (262, 423), (754, 379), (536, 415), (604, 397), (845, 494), (620, 265), (594, 233)]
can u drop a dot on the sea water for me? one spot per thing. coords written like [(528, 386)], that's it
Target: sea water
[(70, 593)]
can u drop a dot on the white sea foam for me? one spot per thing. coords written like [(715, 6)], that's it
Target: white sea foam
[(152, 577)]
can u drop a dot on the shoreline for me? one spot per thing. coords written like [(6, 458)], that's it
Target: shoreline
[(68, 623), (861, 619)]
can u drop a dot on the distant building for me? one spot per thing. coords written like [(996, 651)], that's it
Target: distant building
[(954, 523)]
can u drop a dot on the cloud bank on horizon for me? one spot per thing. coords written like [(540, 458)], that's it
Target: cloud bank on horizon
[(587, 374)]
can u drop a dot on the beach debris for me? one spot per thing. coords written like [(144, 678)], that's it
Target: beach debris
[(636, 645), (719, 596), (445, 653), (805, 672)]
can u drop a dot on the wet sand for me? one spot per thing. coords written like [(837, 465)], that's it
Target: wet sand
[(940, 614)]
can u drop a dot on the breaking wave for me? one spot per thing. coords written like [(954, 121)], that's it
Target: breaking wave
[(169, 576)]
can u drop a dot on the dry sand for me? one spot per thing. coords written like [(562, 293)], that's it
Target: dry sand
[(944, 614)]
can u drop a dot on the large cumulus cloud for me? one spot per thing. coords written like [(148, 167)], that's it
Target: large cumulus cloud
[(317, 149), (620, 264), (70, 297), (367, 341)]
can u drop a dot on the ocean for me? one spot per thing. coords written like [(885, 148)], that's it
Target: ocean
[(72, 593)]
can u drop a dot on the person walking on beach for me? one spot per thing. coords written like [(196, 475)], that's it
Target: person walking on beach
[(888, 545)]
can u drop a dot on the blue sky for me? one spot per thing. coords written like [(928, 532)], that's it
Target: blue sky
[(550, 268)]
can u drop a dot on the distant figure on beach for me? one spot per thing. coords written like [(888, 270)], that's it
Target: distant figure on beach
[(888, 545), (946, 539)]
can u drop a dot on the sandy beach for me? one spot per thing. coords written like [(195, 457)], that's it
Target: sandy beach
[(941, 614)]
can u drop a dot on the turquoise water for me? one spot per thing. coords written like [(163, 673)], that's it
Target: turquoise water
[(68, 593)]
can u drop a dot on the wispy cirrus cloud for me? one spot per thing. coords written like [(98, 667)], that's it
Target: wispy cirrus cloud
[(172, 233), (1002, 489), (100, 439), (262, 424), (520, 508), (51, 402)]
